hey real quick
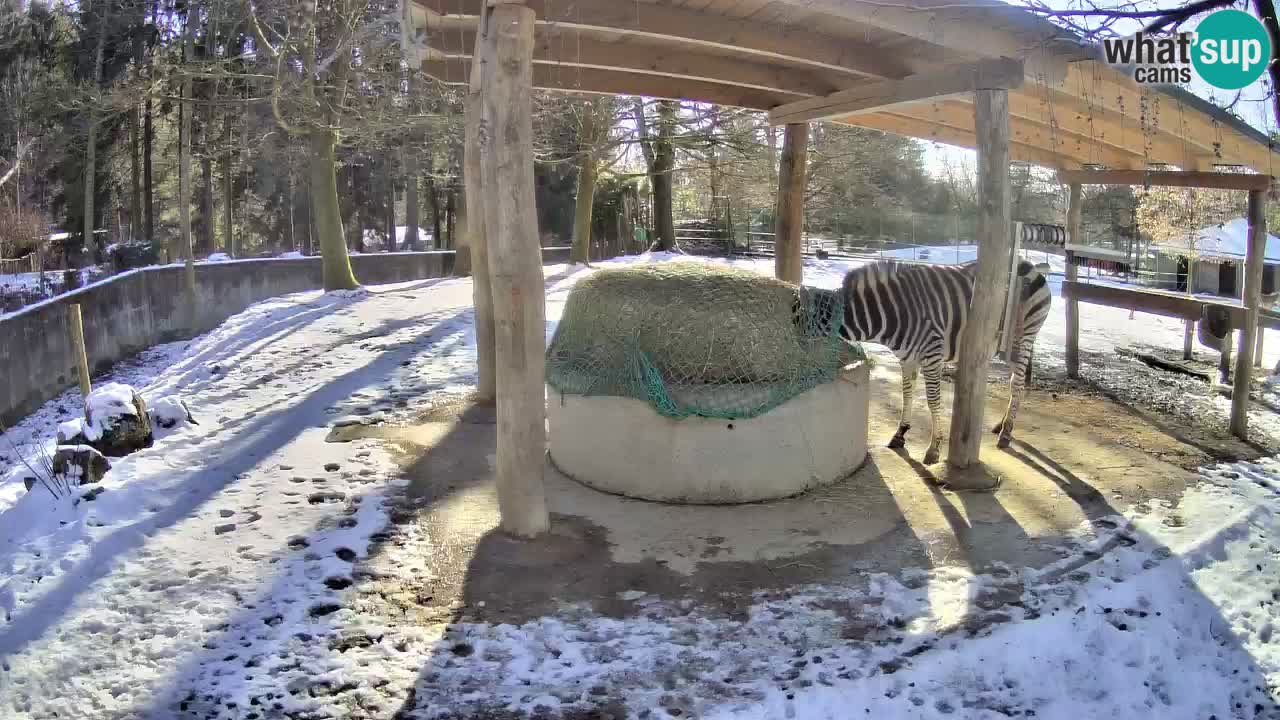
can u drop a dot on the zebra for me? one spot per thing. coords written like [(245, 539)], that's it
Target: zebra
[(919, 311)]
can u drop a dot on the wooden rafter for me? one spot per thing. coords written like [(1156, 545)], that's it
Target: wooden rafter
[(777, 42), (1168, 178), (1002, 73), (454, 71), (924, 130), (984, 28), (564, 49), (1030, 132)]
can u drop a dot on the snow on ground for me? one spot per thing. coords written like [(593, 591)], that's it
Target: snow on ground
[(206, 580)]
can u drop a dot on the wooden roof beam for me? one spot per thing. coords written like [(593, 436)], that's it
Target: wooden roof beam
[(984, 28), (570, 52), (999, 74), (1082, 126), (1168, 178), (1099, 85), (957, 114), (794, 45), (456, 71), (922, 130)]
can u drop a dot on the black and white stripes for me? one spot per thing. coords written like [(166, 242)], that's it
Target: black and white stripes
[(919, 312)]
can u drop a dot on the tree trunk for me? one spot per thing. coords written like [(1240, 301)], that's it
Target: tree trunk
[(663, 221), (664, 155), (390, 176), (450, 213), (412, 218), (788, 250), (186, 106), (207, 216), (588, 167), (91, 142), (148, 185), (437, 227), (184, 171), (228, 189), (325, 213), (135, 173)]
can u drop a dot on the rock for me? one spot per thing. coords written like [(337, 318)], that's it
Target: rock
[(80, 462), (116, 420), (170, 412)]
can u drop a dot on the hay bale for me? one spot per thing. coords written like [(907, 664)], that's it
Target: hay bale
[(655, 332)]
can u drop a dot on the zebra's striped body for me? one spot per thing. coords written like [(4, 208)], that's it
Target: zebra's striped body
[(919, 312)]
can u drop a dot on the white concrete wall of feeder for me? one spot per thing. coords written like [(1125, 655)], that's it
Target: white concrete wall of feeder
[(621, 445)]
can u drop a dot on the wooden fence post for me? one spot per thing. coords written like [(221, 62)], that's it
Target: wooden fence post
[(1074, 206), (515, 268), (1252, 301), (991, 120), (75, 332)]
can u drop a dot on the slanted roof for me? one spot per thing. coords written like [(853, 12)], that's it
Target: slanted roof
[(1072, 110), (1221, 242)]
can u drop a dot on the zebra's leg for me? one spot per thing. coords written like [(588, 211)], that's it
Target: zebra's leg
[(909, 370), (1017, 386), (932, 370)]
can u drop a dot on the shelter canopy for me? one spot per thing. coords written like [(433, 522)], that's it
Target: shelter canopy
[(1068, 109)]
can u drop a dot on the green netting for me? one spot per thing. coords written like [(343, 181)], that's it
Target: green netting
[(697, 339)]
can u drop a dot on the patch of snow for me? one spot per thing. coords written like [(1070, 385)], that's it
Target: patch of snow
[(70, 429), (168, 413), (218, 257)]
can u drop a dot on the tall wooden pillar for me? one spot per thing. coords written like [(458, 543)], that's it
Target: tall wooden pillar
[(1074, 206), (474, 253), (788, 249), (1252, 301), (515, 266), (991, 122)]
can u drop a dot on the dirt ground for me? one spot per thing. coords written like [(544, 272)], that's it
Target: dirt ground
[(1079, 458)]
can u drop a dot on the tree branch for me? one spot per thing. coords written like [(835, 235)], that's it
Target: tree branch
[(23, 149)]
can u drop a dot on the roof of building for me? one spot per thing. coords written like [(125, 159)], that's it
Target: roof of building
[(1072, 110)]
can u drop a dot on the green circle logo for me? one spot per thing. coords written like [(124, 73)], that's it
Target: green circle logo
[(1232, 49)]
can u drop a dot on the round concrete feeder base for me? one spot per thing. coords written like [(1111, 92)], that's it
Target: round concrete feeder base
[(622, 446)]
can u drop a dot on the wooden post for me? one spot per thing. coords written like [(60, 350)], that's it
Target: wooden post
[(1074, 206), (75, 332), (991, 120), (1252, 301), (1188, 333), (515, 267), (788, 258), (477, 245), (1257, 349)]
